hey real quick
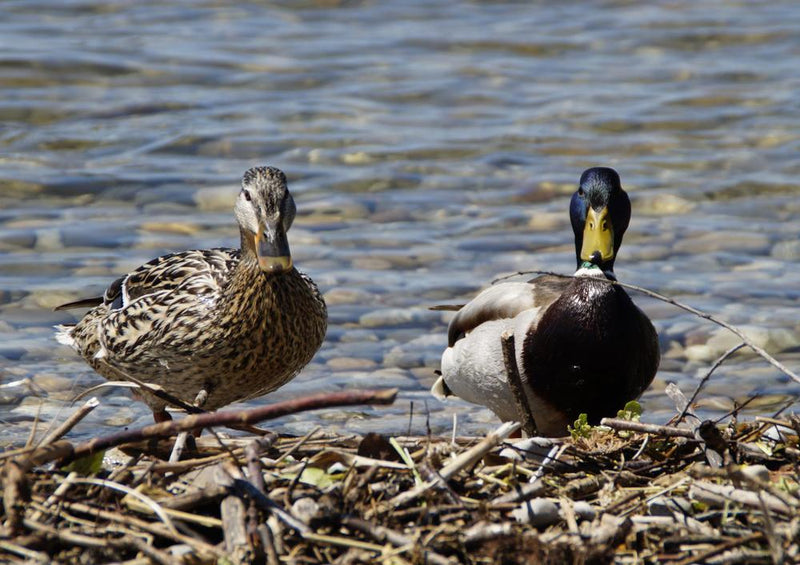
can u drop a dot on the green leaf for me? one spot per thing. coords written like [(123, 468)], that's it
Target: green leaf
[(632, 411), (89, 465), (580, 428), (406, 457), (319, 478)]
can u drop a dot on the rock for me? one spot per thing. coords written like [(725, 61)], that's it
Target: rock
[(358, 336), (662, 204), (773, 340), (357, 158), (53, 383), (536, 448), (547, 221), (538, 512), (304, 509), (367, 263), (584, 510), (350, 363), (734, 241), (668, 506), (388, 317), (215, 198), (423, 351), (391, 377), (757, 472), (343, 295), (786, 250)]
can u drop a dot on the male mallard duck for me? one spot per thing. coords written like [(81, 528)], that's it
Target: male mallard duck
[(237, 323), (582, 346)]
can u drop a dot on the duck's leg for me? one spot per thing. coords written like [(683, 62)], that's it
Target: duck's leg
[(161, 416), (187, 439)]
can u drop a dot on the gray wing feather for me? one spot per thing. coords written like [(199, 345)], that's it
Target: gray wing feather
[(505, 300)]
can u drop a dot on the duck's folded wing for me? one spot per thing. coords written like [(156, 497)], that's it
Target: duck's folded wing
[(163, 312), (196, 271), (199, 270), (505, 300)]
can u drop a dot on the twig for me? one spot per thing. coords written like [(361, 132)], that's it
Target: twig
[(516, 385), (71, 422), (483, 532), (462, 461), (88, 541), (629, 425), (16, 492), (268, 542), (252, 454), (146, 500), (344, 542), (521, 494), (189, 464), (760, 350), (155, 528), (195, 498), (183, 437), (707, 376), (738, 476), (700, 558), (246, 488), (382, 534), (35, 425), (28, 554), (232, 510), (713, 493), (302, 441), (57, 495), (251, 416)]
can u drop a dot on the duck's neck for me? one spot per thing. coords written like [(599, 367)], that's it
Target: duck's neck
[(588, 269), (248, 244)]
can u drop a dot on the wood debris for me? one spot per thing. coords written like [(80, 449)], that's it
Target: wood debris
[(622, 493)]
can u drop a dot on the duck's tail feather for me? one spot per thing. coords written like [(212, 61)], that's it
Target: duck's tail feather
[(82, 303), (64, 335)]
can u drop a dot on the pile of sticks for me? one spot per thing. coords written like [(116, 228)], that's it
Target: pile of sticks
[(625, 492)]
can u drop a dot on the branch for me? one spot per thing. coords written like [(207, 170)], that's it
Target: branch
[(225, 418), (516, 386)]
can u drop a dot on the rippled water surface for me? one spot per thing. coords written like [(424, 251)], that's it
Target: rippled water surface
[(430, 146)]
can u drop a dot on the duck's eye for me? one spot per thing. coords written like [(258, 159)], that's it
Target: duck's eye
[(247, 196), (580, 192)]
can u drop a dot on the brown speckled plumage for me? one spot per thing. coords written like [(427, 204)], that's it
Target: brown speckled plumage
[(211, 319)]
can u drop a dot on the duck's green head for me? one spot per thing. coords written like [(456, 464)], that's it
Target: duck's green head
[(600, 212), (265, 211)]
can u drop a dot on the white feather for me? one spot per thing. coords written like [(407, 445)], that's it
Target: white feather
[(64, 335), (474, 368)]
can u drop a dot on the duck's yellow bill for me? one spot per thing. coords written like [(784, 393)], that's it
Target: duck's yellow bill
[(598, 236)]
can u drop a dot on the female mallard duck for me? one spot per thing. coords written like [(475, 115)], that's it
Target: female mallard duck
[(237, 323), (582, 346)]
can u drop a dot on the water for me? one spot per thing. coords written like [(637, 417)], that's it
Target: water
[(430, 146)]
